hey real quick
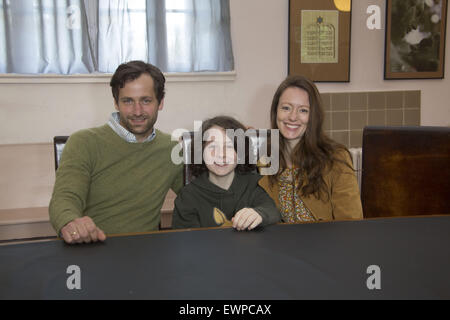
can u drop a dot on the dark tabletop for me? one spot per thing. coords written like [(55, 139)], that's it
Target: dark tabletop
[(304, 261)]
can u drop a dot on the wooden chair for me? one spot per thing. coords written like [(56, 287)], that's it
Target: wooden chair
[(405, 171)]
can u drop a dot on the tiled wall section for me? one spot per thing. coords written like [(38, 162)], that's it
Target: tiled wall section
[(346, 114)]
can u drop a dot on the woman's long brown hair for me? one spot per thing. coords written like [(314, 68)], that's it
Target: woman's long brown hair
[(315, 152)]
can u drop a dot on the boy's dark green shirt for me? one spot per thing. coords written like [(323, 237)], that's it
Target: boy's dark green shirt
[(120, 185), (195, 204)]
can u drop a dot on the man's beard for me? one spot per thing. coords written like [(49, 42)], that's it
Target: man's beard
[(139, 130)]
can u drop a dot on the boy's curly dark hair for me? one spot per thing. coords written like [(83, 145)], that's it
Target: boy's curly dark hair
[(224, 122)]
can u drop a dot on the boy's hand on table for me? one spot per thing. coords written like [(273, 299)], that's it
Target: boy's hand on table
[(246, 218)]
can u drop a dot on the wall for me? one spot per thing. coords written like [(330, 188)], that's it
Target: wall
[(367, 62), (34, 113), (347, 113)]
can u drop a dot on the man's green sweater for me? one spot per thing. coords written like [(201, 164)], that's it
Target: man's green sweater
[(120, 185)]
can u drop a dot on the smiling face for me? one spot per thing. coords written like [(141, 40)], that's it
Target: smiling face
[(219, 154), (138, 106), (293, 114)]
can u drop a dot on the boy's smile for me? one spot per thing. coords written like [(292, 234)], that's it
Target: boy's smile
[(219, 154)]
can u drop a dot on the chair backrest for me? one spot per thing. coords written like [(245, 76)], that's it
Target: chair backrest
[(58, 145), (258, 139), (405, 171)]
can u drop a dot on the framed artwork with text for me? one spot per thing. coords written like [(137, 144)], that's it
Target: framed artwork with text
[(319, 39)]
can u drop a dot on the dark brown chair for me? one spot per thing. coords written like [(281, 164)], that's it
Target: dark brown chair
[(405, 171), (58, 145)]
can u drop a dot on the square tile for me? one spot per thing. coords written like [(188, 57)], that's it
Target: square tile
[(326, 101), (376, 100), (339, 120), (377, 118), (327, 121), (342, 137), (340, 101), (412, 99), (412, 117), (356, 139), (358, 101), (394, 100), (394, 117), (358, 120)]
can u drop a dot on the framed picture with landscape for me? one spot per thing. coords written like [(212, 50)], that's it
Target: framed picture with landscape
[(415, 39), (319, 39)]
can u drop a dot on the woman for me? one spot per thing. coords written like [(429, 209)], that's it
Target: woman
[(316, 180)]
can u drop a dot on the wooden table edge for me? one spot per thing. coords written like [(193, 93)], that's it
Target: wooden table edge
[(116, 235)]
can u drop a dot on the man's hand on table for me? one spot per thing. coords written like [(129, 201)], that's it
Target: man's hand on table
[(82, 230)]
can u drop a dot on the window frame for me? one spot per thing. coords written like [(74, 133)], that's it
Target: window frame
[(99, 77), (13, 78)]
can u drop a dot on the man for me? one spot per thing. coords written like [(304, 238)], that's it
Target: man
[(114, 178)]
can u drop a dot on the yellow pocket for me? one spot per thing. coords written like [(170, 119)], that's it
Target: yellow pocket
[(221, 219)]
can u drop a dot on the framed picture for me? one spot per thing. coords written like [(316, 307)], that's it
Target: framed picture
[(319, 39), (415, 39)]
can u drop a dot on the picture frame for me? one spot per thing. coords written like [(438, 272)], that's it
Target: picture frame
[(415, 39), (319, 39)]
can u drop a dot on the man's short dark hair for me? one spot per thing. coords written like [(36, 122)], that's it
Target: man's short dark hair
[(131, 71)]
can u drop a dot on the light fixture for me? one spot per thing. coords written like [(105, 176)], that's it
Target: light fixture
[(343, 5)]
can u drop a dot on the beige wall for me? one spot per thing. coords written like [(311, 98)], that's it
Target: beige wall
[(367, 62), (34, 113), (259, 35)]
